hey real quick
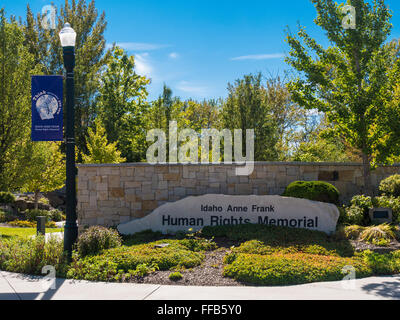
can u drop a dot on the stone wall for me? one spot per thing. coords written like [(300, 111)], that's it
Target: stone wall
[(113, 194)]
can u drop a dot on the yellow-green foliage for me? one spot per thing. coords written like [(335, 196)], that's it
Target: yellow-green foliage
[(111, 263), (291, 268), (257, 263), (175, 276), (100, 151), (383, 231), (391, 186), (31, 255), (30, 224), (45, 167)]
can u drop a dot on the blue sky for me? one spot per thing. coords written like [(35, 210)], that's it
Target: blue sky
[(197, 46)]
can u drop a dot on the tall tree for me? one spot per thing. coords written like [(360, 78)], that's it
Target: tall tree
[(122, 106), (91, 55), (287, 114), (352, 81), (246, 108), (16, 66)]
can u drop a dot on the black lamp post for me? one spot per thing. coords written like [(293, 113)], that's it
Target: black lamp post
[(68, 38)]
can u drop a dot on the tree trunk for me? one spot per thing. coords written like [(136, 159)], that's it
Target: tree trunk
[(367, 175), (36, 199)]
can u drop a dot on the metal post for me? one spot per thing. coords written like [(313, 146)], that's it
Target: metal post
[(71, 228)]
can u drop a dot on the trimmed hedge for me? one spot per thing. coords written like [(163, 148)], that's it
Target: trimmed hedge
[(313, 190)]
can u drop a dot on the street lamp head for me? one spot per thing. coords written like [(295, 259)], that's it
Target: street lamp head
[(67, 36)]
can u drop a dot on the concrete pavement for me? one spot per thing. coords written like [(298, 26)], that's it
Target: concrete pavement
[(22, 287)]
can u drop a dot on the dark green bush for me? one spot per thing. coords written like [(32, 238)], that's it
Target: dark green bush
[(56, 215), (96, 239), (313, 190), (355, 215), (358, 212), (6, 198), (389, 202), (391, 186)]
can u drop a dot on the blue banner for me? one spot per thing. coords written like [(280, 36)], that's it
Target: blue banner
[(47, 108)]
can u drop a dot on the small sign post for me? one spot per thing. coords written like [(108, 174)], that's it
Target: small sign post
[(41, 225)]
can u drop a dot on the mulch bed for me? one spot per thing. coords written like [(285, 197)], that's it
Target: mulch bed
[(209, 273), (360, 246)]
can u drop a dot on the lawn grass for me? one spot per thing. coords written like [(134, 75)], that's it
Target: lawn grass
[(23, 232)]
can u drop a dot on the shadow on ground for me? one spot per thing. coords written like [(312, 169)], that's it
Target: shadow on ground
[(386, 289)]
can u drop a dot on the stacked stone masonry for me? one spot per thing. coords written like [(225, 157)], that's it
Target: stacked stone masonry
[(112, 194)]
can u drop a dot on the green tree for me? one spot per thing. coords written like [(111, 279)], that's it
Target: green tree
[(43, 168), (352, 81), (199, 115), (99, 149), (91, 55), (16, 66), (287, 114), (122, 106), (247, 108)]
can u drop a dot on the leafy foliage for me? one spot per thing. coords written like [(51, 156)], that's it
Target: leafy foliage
[(110, 264), (17, 65), (391, 186), (247, 98), (122, 106), (364, 113), (6, 198), (99, 150), (29, 256), (44, 168), (358, 211)]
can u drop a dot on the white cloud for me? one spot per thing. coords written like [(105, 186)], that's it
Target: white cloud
[(143, 65), (173, 55), (139, 46), (260, 57), (191, 89)]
